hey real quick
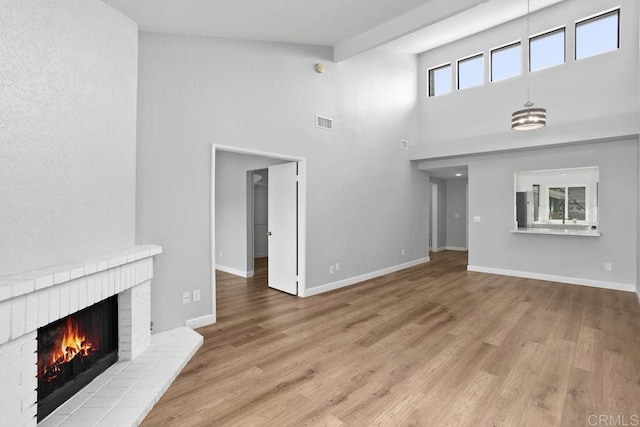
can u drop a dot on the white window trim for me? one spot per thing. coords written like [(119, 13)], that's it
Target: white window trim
[(547, 220)]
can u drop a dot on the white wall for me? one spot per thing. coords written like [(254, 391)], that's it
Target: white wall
[(231, 207), (492, 198), (589, 99), (195, 92), (67, 132), (456, 205)]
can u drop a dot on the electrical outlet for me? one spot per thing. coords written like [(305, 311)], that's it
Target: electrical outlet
[(196, 295), (402, 252), (220, 253), (186, 297), (337, 266), (331, 269), (608, 266), (476, 219)]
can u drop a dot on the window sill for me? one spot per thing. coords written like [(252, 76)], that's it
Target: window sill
[(558, 232)]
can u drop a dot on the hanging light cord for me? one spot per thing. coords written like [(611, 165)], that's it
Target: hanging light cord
[(529, 104)]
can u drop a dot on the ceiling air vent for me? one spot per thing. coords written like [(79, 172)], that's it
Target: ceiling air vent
[(324, 122)]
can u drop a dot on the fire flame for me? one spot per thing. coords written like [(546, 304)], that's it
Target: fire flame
[(73, 344)]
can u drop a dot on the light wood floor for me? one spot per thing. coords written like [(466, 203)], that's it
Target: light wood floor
[(433, 345)]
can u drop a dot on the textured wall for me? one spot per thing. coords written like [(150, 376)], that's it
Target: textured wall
[(68, 76), (366, 202)]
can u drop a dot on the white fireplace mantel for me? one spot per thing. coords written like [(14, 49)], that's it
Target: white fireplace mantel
[(33, 299)]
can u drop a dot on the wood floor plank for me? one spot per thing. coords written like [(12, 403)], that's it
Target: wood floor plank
[(549, 392), (427, 346), (586, 349), (469, 403)]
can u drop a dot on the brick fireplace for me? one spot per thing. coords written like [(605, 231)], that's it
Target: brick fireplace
[(31, 300)]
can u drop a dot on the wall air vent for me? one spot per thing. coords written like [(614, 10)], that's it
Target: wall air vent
[(324, 122), (404, 144)]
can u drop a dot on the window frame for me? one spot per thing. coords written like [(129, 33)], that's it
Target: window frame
[(470, 58), (503, 47), (431, 83), (562, 29), (566, 220), (601, 15)]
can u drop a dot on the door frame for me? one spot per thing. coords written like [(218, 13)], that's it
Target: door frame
[(302, 214), (434, 217)]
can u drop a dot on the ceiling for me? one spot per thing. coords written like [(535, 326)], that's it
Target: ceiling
[(449, 172), (350, 27), (324, 23), (464, 24)]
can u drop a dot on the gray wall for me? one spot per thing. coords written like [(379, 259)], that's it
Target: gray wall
[(442, 212), (67, 132), (638, 120), (194, 92), (492, 197), (261, 216), (587, 99), (231, 207), (456, 204)]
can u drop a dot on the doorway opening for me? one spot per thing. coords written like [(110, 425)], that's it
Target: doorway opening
[(240, 225), (258, 207), (433, 230), (275, 205), (449, 221)]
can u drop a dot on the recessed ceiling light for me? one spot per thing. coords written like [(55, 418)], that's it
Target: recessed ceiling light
[(458, 174)]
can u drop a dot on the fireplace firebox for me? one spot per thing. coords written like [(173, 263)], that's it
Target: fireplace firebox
[(73, 351)]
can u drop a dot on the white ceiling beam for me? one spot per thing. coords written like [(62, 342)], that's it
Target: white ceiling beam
[(432, 12)]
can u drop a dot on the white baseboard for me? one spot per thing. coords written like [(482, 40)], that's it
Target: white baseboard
[(201, 321), (357, 279), (234, 271), (444, 248), (552, 278), (260, 255), (456, 248), (638, 295)]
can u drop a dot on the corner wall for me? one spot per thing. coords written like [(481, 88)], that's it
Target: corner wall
[(67, 132), (365, 200)]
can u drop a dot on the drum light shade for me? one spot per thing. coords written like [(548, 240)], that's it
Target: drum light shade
[(529, 119)]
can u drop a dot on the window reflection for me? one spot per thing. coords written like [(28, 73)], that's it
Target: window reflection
[(556, 202), (576, 203)]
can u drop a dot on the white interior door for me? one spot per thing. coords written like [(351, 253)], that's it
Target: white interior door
[(283, 228)]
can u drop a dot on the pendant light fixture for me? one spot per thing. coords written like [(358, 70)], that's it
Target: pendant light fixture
[(529, 118)]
